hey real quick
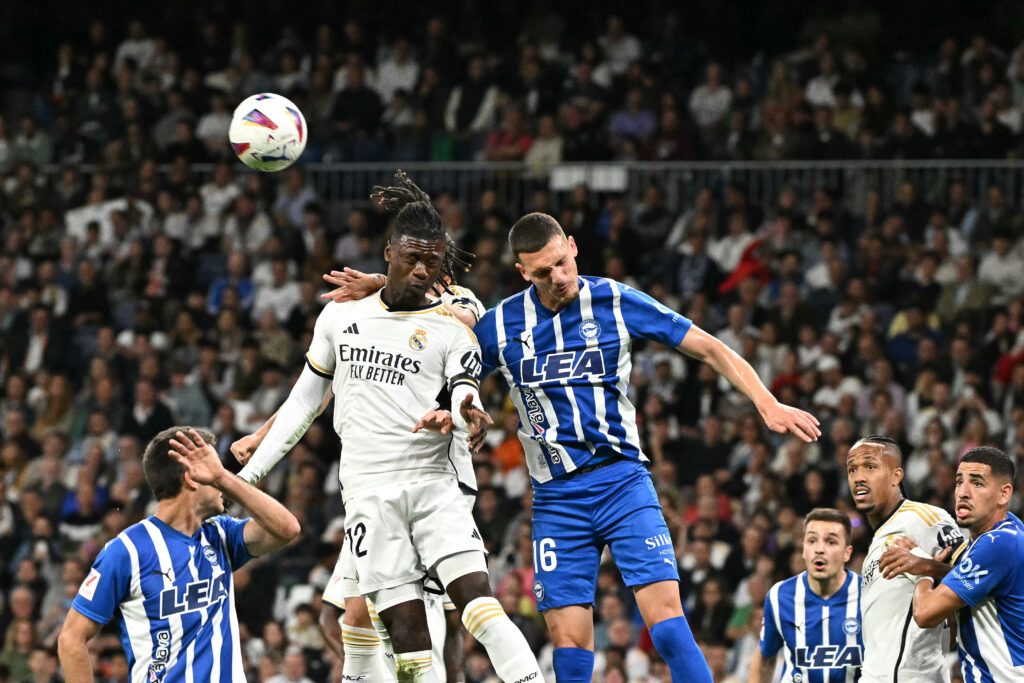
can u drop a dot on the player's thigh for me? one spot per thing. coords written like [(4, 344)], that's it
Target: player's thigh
[(634, 528), (343, 588), (404, 616), (441, 521), (377, 528), (566, 556)]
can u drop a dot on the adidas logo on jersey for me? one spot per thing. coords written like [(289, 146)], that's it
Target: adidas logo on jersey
[(476, 535), (351, 329)]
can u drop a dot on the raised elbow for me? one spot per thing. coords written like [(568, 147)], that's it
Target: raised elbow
[(292, 530)]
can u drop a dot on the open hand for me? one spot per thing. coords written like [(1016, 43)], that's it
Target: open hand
[(199, 458), (789, 420), (352, 285), (244, 448), (436, 421), (477, 422)]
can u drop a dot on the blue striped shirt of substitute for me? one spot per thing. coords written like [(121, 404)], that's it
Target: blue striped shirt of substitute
[(173, 598), (568, 371), (821, 637)]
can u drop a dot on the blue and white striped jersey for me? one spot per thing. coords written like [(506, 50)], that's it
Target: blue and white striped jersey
[(990, 578), (822, 638), (568, 372), (175, 599)]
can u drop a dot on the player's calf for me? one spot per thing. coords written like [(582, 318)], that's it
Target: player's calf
[(464, 576), (663, 613)]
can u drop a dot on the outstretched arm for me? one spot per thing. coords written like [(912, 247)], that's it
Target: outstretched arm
[(244, 448), (290, 423), (272, 526), (780, 418)]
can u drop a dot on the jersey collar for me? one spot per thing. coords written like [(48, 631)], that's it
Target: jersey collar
[(841, 593), (418, 309), (891, 515), (171, 531), (548, 313)]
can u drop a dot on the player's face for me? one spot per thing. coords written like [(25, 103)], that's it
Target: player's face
[(552, 270), (210, 501), (874, 481), (826, 551), (979, 494), (413, 267)]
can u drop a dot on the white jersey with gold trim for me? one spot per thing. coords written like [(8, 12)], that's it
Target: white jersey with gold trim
[(387, 368), (896, 649)]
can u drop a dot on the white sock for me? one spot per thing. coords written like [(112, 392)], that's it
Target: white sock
[(415, 667), (362, 654), (509, 652), (387, 650)]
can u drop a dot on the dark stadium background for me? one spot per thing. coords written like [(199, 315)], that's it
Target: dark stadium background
[(882, 261)]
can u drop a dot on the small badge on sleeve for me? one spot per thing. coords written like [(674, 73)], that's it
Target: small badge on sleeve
[(88, 589)]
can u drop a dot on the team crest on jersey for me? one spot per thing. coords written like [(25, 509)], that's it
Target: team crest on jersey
[(590, 329), (851, 626), (538, 590), (418, 340), (210, 554)]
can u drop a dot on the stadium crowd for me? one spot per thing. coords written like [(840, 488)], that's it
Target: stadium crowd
[(123, 96), (133, 298)]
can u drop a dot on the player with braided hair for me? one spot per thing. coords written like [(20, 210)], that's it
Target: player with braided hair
[(387, 358)]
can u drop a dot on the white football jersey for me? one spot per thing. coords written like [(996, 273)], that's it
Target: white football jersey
[(896, 649), (387, 368)]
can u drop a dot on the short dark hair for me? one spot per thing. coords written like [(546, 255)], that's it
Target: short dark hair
[(164, 473), (532, 232), (1001, 463), (830, 515), (892, 446)]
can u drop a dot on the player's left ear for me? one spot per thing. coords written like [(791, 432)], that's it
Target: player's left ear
[(572, 246), (1005, 493), (190, 483), (897, 475), (847, 554)]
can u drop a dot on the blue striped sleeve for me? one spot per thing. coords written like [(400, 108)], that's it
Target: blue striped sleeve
[(771, 639), (107, 584), (234, 533), (647, 319)]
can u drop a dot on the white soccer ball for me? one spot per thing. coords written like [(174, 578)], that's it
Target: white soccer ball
[(268, 132)]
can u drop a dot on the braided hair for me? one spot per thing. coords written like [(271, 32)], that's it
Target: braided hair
[(416, 217)]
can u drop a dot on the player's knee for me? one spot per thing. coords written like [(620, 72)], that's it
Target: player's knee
[(571, 626), (464, 577)]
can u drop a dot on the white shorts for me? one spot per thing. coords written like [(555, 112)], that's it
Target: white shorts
[(399, 533), (343, 583)]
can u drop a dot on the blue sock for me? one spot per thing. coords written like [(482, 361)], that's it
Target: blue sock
[(573, 665), (676, 646)]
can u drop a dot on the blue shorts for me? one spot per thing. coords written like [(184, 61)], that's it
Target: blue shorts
[(576, 517)]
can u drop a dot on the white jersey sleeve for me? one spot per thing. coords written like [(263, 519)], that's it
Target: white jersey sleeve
[(463, 297), (321, 357)]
